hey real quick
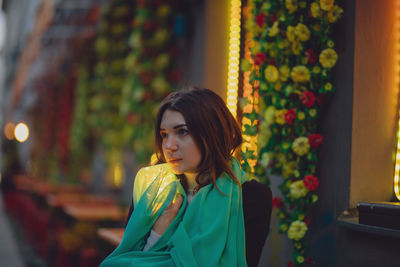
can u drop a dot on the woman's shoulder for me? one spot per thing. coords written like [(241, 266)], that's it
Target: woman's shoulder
[(147, 175)]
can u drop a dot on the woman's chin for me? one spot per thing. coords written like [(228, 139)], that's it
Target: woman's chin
[(176, 170)]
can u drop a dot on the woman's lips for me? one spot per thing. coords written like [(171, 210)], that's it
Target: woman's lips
[(174, 161)]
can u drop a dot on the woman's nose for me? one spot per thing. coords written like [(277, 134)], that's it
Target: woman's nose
[(171, 144)]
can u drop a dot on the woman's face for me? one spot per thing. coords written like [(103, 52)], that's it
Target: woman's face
[(178, 145)]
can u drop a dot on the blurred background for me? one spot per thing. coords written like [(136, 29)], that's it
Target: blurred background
[(81, 80)]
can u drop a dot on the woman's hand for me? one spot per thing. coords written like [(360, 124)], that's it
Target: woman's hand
[(167, 216)]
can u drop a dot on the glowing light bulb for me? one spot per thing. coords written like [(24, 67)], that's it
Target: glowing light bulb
[(233, 56), (9, 130), (21, 132)]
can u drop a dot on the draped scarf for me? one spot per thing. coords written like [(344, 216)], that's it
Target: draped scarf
[(208, 232)]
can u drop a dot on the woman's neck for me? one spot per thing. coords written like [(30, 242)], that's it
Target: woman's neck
[(191, 180)]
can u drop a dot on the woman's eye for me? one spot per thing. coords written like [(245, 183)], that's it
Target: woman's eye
[(183, 132), (164, 135)]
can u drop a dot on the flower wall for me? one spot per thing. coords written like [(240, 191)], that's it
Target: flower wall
[(293, 54)]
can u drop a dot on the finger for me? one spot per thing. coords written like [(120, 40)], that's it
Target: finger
[(178, 203)]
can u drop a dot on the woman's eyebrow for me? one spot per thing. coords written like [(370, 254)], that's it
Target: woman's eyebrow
[(179, 126), (175, 127)]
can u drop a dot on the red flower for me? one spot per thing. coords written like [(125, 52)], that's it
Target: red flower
[(290, 115), (315, 140), (311, 56), (259, 58), (131, 118), (273, 17), (308, 99), (145, 77), (260, 19), (277, 203), (311, 182), (290, 264), (307, 220), (174, 76), (272, 61)]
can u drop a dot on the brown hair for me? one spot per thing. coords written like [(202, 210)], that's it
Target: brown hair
[(214, 129)]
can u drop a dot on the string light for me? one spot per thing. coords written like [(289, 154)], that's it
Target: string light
[(233, 57), (21, 132), (9, 130), (117, 175), (397, 66)]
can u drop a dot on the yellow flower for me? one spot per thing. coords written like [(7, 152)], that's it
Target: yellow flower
[(316, 69), (328, 58), (256, 48), (314, 198), (282, 44), (334, 14), (280, 116), (330, 43), (291, 5), (302, 32), (301, 146), (160, 36), (284, 72), (297, 230), (328, 86), (263, 86), (291, 33), (245, 65), (315, 10), (326, 4), (274, 29), (300, 259), (300, 217), (264, 135), (288, 168), (278, 87), (296, 48), (162, 61), (298, 189), (163, 11), (288, 90), (301, 116), (313, 112), (269, 114), (283, 227), (300, 74), (265, 159), (271, 73), (160, 85), (266, 6)]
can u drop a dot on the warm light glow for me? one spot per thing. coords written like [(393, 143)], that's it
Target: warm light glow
[(21, 132), (233, 56), (9, 130), (117, 175), (396, 87)]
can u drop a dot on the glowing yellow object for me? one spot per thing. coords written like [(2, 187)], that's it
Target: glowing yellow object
[(396, 82), (9, 130), (233, 56), (117, 175), (21, 132)]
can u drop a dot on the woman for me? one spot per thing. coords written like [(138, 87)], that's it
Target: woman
[(188, 209)]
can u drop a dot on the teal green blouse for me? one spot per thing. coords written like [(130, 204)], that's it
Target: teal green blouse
[(208, 232)]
